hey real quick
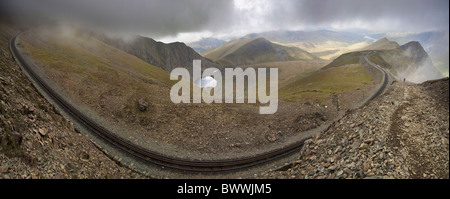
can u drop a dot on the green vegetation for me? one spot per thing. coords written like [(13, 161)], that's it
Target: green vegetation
[(441, 62), (378, 59), (323, 83), (228, 48), (395, 61), (289, 71), (96, 75), (94, 58), (346, 59), (382, 44)]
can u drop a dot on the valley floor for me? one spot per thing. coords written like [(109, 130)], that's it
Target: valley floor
[(401, 134)]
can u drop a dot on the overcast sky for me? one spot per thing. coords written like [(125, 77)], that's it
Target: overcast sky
[(188, 20)]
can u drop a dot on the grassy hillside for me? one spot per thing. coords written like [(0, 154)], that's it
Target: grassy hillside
[(107, 80), (81, 53), (245, 51), (403, 65), (382, 44), (441, 61), (408, 61), (346, 59), (321, 84), (165, 56), (289, 71)]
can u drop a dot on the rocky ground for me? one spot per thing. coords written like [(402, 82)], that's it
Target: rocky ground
[(37, 142), (401, 134)]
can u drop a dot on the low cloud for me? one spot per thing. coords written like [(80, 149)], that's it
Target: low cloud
[(169, 18), (152, 17)]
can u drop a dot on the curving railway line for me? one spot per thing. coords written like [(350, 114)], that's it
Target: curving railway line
[(153, 157), (384, 80)]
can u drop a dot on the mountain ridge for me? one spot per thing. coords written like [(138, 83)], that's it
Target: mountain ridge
[(165, 56), (382, 44), (244, 51)]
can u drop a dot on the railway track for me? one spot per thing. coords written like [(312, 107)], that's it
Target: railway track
[(385, 78), (146, 155), (142, 153)]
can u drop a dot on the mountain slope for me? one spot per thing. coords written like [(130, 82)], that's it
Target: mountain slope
[(382, 44), (94, 75), (435, 43), (165, 56), (244, 51), (36, 141), (325, 44), (425, 68), (416, 51), (402, 134), (409, 61)]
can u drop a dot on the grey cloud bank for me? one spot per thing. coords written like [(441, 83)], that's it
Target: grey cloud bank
[(159, 18), (155, 17)]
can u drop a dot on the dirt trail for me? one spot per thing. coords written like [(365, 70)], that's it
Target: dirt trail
[(416, 136), (403, 133)]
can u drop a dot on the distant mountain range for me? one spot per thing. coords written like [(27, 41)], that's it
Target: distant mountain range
[(317, 36), (206, 44), (329, 45), (247, 50)]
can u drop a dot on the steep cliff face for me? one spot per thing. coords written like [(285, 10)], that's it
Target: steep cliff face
[(416, 51), (408, 62), (164, 56), (425, 67)]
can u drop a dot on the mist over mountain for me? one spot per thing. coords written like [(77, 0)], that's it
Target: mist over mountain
[(355, 90), (425, 69), (435, 43), (316, 36), (408, 62), (206, 44), (161, 18), (165, 56)]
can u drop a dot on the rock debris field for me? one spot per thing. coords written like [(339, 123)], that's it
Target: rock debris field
[(401, 134)]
